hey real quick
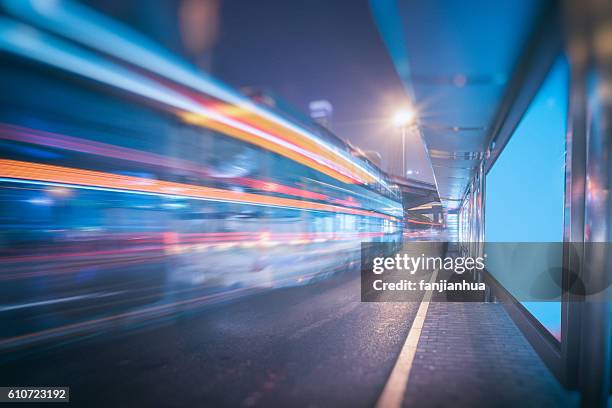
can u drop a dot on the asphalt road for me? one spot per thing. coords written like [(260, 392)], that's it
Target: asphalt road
[(310, 346)]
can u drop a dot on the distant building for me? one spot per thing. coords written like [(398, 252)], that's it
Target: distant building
[(321, 112)]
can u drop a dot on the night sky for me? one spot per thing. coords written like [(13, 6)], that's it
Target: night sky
[(319, 49)]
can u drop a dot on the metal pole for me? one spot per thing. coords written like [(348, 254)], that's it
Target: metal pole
[(403, 151)]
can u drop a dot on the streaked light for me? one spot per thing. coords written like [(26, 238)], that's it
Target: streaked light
[(41, 201), (73, 177), (85, 26), (59, 191)]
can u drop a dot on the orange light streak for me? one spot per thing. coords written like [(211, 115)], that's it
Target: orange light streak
[(14, 169)]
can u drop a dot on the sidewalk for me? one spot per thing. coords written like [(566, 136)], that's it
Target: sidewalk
[(472, 354)]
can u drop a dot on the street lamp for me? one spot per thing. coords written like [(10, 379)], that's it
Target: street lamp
[(404, 119)]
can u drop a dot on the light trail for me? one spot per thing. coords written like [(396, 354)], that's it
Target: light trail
[(48, 139), (32, 44), (85, 26), (73, 177)]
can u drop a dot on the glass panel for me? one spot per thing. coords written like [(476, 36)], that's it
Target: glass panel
[(525, 187)]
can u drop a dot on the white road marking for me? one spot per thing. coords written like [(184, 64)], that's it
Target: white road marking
[(395, 388)]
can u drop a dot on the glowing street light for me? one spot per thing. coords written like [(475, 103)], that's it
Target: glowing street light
[(404, 119)]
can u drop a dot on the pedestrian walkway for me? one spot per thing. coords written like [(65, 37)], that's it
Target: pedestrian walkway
[(472, 354)]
